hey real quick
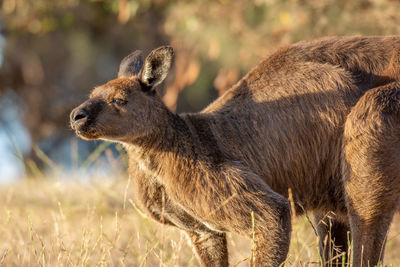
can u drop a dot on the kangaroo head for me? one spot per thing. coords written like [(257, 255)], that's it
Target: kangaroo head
[(128, 106)]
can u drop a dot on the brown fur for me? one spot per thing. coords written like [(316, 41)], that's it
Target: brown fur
[(321, 118)]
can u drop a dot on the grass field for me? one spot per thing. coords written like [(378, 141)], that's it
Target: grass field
[(49, 222)]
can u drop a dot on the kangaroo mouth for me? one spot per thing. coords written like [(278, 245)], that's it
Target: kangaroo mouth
[(87, 135), (84, 130)]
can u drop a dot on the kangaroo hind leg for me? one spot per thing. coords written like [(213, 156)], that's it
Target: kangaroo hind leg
[(371, 170)]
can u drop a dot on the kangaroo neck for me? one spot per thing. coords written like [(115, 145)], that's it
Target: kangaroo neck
[(157, 151), (186, 141)]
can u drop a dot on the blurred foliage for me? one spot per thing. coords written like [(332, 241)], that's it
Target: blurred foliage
[(56, 51)]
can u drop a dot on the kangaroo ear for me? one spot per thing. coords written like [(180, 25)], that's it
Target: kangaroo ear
[(131, 64), (156, 66)]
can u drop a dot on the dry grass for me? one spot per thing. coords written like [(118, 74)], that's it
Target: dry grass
[(64, 223)]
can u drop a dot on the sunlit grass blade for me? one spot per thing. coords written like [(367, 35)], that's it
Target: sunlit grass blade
[(95, 154)]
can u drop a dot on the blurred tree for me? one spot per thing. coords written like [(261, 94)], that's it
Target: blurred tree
[(56, 51)]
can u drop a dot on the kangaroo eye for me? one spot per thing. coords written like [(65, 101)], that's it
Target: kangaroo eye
[(119, 102)]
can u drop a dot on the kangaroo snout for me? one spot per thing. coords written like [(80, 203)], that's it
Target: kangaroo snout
[(78, 116)]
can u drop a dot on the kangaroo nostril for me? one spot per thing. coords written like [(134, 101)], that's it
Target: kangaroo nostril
[(80, 115)]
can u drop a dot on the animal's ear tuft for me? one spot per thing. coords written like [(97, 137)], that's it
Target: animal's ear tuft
[(131, 64), (156, 66)]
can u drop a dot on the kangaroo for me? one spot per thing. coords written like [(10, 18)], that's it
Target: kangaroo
[(318, 118)]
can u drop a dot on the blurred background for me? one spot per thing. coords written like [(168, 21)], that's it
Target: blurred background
[(52, 53)]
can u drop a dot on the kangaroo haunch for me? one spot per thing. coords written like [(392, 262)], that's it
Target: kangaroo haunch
[(320, 119)]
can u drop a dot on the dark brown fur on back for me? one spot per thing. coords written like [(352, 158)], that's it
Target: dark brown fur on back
[(320, 119)]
